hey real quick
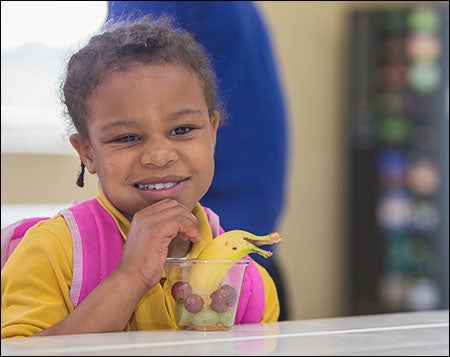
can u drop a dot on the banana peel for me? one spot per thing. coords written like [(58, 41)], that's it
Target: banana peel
[(231, 245)]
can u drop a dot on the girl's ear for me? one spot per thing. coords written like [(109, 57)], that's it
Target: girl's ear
[(84, 150), (215, 121)]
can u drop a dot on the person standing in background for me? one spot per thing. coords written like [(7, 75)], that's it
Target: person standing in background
[(251, 155)]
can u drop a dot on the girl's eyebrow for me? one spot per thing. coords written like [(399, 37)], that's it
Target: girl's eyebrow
[(125, 123), (183, 112), (133, 124)]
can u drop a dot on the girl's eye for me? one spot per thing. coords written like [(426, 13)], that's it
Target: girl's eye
[(127, 139), (181, 130)]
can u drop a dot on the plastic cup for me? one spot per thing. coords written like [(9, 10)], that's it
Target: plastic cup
[(204, 293)]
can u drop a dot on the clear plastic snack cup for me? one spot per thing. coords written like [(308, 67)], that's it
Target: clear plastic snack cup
[(205, 293)]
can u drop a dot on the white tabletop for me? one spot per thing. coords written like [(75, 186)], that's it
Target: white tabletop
[(413, 333)]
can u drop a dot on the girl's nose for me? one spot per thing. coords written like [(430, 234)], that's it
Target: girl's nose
[(159, 152)]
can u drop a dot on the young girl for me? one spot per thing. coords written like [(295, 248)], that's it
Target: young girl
[(142, 99)]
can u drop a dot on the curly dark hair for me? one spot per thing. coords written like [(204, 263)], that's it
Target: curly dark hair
[(123, 43)]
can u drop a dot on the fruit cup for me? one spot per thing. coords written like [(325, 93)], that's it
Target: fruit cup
[(204, 294)]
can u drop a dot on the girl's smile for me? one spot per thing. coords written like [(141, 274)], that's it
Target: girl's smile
[(167, 187)]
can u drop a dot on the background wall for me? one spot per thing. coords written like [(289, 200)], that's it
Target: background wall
[(311, 41)]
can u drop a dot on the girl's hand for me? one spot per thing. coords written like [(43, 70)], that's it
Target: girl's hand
[(109, 306), (151, 232)]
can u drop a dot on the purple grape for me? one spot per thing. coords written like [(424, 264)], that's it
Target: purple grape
[(193, 303), (180, 290), (223, 298), (232, 294)]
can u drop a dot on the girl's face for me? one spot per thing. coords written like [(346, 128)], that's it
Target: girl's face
[(150, 137)]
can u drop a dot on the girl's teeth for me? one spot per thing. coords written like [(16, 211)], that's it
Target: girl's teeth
[(157, 186)]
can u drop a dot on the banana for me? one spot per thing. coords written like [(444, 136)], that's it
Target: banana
[(238, 243), (230, 245)]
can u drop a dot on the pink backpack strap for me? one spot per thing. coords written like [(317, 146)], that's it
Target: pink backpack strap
[(96, 239), (252, 301), (214, 222), (97, 246), (252, 298), (13, 234)]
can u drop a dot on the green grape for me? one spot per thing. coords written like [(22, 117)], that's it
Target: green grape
[(206, 317), (227, 318), (183, 317)]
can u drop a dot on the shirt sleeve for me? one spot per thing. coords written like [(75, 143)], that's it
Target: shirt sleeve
[(272, 306), (36, 279)]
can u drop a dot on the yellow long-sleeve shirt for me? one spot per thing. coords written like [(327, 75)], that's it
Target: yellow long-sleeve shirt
[(36, 279)]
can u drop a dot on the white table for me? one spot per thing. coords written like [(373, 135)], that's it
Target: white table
[(414, 333)]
